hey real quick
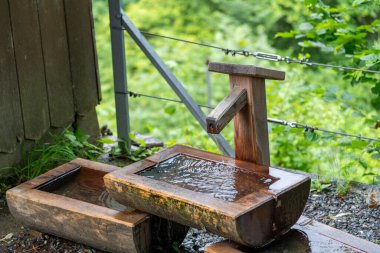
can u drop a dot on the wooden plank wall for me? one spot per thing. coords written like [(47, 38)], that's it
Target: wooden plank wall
[(57, 62), (79, 26), (11, 126), (30, 68), (48, 71)]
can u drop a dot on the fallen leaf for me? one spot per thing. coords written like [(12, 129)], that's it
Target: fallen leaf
[(373, 205), (7, 237), (372, 200)]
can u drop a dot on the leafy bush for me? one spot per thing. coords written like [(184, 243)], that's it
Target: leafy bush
[(315, 96), (119, 149)]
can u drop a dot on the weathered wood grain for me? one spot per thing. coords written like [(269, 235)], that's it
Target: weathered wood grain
[(226, 110), (30, 67), (250, 124), (10, 161), (250, 220), (6, 172), (97, 226), (61, 218), (91, 17), (246, 70), (82, 54), (89, 124), (57, 62), (11, 126)]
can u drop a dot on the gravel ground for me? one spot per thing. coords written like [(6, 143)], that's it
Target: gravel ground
[(357, 213), (350, 213)]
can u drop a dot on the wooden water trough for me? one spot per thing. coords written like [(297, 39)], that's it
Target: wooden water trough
[(71, 201)]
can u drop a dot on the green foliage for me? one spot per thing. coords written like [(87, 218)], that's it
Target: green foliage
[(320, 185), (320, 97), (3, 188), (64, 148), (176, 247), (119, 149), (5, 184), (347, 32), (343, 188)]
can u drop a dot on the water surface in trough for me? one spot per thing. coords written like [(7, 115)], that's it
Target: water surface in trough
[(85, 185), (217, 179)]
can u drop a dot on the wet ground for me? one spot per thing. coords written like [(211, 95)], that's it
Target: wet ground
[(351, 213), (7, 223)]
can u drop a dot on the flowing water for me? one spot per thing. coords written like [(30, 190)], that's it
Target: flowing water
[(217, 179), (86, 185)]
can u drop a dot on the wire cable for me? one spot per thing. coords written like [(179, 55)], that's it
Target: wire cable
[(134, 94), (182, 40), (263, 56)]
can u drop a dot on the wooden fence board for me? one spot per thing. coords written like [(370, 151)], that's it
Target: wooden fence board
[(82, 54), (30, 67), (57, 62), (91, 17), (11, 126)]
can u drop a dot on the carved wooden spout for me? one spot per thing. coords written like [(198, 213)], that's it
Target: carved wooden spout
[(226, 110), (246, 103)]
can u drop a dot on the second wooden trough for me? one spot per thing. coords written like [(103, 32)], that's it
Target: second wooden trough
[(71, 201)]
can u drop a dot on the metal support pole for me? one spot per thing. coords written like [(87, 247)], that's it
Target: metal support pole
[(119, 71), (208, 83), (174, 83)]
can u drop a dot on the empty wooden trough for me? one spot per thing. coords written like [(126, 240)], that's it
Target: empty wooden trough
[(71, 201), (236, 199)]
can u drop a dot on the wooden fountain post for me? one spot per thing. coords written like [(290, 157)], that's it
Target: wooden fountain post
[(269, 201), (246, 103)]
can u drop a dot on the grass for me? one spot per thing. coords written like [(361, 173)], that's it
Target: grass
[(46, 156), (320, 185), (64, 148)]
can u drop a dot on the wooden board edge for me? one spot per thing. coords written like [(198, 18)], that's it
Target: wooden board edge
[(94, 165), (93, 34), (343, 237), (246, 70)]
